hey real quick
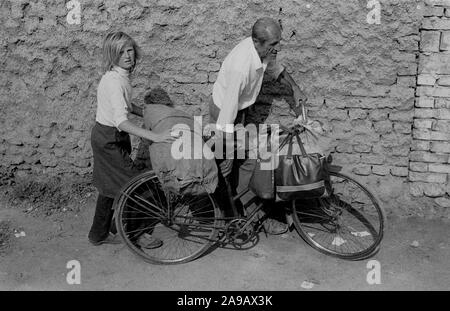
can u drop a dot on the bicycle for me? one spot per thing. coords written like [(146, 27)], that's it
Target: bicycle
[(348, 224)]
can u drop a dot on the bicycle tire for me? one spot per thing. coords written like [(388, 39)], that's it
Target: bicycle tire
[(357, 237), (186, 228)]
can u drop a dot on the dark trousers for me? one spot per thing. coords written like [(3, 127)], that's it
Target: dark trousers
[(102, 224)]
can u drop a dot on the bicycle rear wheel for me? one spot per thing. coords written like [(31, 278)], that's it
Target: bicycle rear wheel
[(186, 225), (349, 224)]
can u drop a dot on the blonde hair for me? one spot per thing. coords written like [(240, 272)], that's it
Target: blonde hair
[(113, 44)]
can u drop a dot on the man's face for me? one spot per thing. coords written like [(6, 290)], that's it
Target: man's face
[(127, 57), (270, 47)]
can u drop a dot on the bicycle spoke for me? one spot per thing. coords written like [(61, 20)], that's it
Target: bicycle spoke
[(353, 227)]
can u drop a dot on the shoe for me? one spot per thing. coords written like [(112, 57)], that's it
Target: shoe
[(111, 239), (274, 227), (147, 241)]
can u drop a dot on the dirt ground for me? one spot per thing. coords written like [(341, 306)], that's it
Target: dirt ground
[(415, 255)]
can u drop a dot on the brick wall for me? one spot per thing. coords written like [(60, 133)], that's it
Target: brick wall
[(360, 77), (429, 166)]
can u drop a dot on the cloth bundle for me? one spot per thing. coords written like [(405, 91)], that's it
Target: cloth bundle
[(188, 175)]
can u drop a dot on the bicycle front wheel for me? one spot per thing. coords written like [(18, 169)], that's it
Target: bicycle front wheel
[(186, 225), (348, 224)]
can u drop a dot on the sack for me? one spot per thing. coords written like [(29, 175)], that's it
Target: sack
[(316, 137), (302, 176), (262, 182), (191, 174)]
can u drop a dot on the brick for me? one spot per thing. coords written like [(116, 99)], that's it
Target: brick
[(438, 2), (428, 177), (442, 103), (442, 114), (445, 41), (212, 77), (383, 127), (423, 134), (400, 150), (377, 115), (397, 161), (436, 63), (344, 148), (433, 11), (442, 202), (416, 189), (48, 160), (361, 126), (405, 116), (346, 158), (338, 114), (405, 105), (406, 81), (423, 123), (440, 147), (430, 41), (357, 114), (363, 170), (433, 190), (441, 126), (440, 91), (403, 93), (439, 168), (423, 113), (444, 81), (404, 128), (424, 102), (425, 91), (373, 159), (401, 56), (395, 140), (362, 148), (441, 136), (210, 67), (399, 171), (426, 79), (378, 149), (408, 69), (380, 170), (424, 156), (411, 43), (436, 24), (418, 167)]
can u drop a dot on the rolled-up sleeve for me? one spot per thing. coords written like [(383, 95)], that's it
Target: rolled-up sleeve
[(230, 106), (274, 68)]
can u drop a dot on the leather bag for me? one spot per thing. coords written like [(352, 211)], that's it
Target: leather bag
[(262, 182), (303, 176)]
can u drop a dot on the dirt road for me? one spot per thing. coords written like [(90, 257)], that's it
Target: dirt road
[(415, 255)]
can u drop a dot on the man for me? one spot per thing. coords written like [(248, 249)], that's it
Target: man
[(239, 83)]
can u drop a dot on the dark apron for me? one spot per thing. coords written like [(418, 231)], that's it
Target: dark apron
[(113, 167)]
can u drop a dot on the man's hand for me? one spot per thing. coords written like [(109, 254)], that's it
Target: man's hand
[(299, 97)]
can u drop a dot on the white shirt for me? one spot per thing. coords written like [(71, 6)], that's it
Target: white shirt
[(113, 97), (239, 82)]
